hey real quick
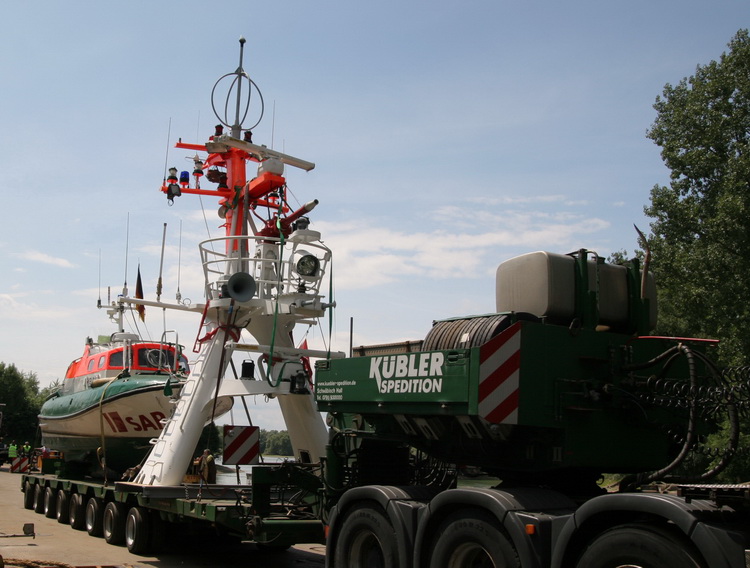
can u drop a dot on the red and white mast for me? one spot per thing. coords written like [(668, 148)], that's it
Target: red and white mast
[(263, 280)]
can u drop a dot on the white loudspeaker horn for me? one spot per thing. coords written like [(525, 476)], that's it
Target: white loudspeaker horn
[(241, 286)]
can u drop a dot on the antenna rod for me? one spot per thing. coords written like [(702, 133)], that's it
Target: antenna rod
[(161, 263), (236, 130), (166, 154), (127, 245), (179, 265), (273, 123), (351, 336), (99, 300)]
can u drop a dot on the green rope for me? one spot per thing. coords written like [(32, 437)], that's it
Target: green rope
[(269, 377), (330, 309)]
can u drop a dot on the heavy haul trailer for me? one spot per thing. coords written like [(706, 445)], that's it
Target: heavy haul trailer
[(545, 402), (560, 387), (144, 518)]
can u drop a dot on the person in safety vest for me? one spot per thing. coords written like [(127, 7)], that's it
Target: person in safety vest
[(13, 450), (26, 450), (207, 467)]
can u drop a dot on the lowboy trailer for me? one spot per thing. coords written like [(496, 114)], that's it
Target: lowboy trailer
[(560, 386)]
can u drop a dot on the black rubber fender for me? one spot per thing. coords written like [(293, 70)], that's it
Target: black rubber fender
[(500, 504), (401, 505), (668, 508)]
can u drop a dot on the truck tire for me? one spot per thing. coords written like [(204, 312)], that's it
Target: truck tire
[(62, 509), (640, 545), (28, 495), (366, 539), (113, 523), (94, 516), (50, 510), (470, 537), (137, 531), (39, 498), (77, 512)]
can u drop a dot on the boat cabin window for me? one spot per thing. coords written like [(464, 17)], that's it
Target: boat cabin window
[(91, 365), (155, 358), (102, 362), (115, 359)]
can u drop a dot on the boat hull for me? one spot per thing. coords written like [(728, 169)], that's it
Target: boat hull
[(110, 424)]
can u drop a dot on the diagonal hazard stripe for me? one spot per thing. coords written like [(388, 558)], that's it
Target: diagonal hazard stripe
[(241, 445), (510, 339), (497, 377), (239, 438), (505, 411), (499, 373)]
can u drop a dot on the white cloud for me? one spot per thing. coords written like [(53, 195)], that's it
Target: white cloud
[(37, 256), (15, 307), (366, 256)]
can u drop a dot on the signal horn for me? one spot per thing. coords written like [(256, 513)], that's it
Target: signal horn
[(241, 286)]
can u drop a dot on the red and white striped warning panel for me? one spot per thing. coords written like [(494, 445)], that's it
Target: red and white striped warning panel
[(19, 465), (241, 445), (499, 374)]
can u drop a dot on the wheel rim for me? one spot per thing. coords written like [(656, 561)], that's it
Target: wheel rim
[(90, 513), (73, 509), (107, 521), (367, 552), (130, 530), (470, 555), (61, 507)]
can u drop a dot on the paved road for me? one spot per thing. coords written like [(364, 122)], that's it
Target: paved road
[(55, 542)]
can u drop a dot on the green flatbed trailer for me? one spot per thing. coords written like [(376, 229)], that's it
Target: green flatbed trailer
[(544, 404), (272, 511)]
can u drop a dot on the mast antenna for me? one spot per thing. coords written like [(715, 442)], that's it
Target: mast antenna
[(237, 126), (161, 263), (178, 295), (127, 245), (166, 153), (273, 123), (242, 107), (99, 300)]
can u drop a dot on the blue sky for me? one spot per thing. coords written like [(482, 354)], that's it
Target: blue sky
[(447, 138)]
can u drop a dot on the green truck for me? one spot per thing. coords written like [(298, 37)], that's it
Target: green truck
[(544, 403)]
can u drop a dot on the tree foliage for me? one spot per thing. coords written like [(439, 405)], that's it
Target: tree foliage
[(211, 439), (275, 443), (22, 398), (700, 236)]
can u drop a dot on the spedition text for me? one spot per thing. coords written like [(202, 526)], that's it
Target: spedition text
[(413, 373)]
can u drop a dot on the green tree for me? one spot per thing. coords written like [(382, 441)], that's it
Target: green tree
[(700, 236), (275, 443), (22, 398), (211, 438)]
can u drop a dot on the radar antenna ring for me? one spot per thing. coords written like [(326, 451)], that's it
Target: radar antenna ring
[(236, 82)]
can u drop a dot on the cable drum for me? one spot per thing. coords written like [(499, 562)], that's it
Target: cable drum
[(463, 333)]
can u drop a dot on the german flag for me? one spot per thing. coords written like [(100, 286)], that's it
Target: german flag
[(140, 308)]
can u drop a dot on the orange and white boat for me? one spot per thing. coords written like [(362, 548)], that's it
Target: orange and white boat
[(113, 400)]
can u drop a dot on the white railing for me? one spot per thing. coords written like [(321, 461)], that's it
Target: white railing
[(275, 269)]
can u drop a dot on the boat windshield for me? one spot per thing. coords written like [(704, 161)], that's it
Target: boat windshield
[(153, 358)]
